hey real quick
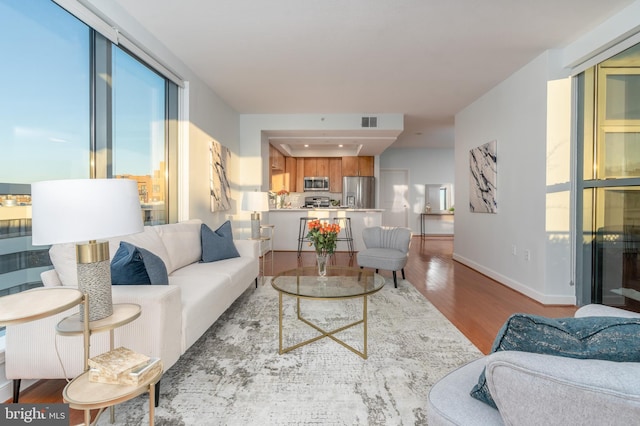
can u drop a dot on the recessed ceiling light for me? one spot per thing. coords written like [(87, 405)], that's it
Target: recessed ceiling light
[(306, 145), (340, 146)]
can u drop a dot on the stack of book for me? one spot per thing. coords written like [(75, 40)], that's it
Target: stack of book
[(123, 366)]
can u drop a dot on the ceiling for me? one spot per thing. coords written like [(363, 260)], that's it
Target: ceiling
[(426, 59)]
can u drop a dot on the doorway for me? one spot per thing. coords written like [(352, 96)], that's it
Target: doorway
[(394, 197)]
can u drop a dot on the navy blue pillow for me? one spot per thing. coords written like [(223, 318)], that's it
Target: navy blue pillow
[(606, 338), (135, 265), (218, 244)]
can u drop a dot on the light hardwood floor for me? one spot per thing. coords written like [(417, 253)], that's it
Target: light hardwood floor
[(474, 303)]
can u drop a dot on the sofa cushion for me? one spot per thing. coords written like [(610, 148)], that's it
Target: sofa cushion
[(133, 265), (64, 260), (182, 242), (218, 244), (148, 240), (604, 338)]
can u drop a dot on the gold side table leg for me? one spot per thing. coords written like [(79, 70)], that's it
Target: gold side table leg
[(152, 403), (364, 317), (280, 323)]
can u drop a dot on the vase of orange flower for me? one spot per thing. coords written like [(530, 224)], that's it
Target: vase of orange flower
[(281, 198), (324, 237)]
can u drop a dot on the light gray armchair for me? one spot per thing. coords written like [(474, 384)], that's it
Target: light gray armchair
[(535, 389), (386, 248)]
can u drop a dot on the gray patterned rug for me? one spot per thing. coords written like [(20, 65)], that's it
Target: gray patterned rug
[(233, 375)]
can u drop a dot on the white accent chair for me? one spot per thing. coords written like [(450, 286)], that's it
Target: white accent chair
[(386, 248)]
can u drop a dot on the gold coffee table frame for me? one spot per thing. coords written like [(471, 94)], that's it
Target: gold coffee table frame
[(341, 283)]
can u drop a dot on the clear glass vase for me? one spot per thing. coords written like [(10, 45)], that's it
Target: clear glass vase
[(322, 265)]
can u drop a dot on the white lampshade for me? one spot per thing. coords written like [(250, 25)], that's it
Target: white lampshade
[(255, 201), (76, 210)]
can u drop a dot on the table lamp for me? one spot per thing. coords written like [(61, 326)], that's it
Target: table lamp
[(256, 202), (83, 211)]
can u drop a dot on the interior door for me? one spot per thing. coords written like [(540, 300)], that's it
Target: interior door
[(394, 197)]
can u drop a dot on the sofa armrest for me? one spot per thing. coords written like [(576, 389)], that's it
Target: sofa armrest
[(158, 330), (595, 310), (50, 278), (32, 347), (544, 389), (248, 248)]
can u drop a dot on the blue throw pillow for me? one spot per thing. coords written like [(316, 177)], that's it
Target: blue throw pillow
[(606, 338), (218, 244), (135, 265)]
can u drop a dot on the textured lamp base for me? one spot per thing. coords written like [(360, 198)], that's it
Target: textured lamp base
[(94, 279), (255, 225)]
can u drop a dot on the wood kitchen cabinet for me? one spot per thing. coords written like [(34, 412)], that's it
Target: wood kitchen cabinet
[(310, 164), (365, 166), (335, 174), (286, 178), (290, 174), (322, 166), (316, 166), (276, 159), (357, 166), (300, 174)]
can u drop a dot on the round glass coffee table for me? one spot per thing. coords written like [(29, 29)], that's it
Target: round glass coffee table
[(340, 283)]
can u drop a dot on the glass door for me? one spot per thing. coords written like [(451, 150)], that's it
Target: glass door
[(610, 130)]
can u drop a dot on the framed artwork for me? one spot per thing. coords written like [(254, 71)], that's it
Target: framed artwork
[(219, 188), (483, 175)]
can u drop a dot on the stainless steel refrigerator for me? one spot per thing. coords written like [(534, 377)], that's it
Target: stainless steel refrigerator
[(359, 192)]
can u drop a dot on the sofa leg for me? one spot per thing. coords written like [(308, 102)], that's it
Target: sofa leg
[(157, 393), (256, 282), (395, 279), (403, 274), (16, 390)]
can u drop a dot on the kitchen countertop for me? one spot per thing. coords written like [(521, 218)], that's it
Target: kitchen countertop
[(324, 209)]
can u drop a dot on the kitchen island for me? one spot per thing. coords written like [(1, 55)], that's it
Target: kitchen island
[(287, 222)]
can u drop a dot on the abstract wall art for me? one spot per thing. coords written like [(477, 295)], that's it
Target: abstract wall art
[(219, 188), (483, 168)]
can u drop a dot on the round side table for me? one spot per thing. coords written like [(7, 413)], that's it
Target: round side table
[(40, 303), (123, 313), (37, 303), (81, 394)]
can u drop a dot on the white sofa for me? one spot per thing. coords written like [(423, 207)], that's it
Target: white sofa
[(173, 316), (534, 389)]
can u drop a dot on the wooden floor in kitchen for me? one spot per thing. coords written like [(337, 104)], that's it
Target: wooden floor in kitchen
[(474, 303)]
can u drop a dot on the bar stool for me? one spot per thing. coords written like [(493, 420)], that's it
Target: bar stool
[(302, 232), (345, 225)]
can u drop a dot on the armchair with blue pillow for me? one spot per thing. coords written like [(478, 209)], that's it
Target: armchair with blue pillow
[(573, 371)]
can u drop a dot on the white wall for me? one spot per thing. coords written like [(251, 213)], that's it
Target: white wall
[(528, 114), (515, 114), (426, 166)]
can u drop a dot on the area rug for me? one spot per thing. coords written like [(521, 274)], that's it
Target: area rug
[(234, 375)]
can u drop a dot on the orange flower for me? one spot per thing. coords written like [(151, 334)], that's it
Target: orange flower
[(323, 236)]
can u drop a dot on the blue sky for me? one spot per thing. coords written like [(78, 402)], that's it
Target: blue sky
[(45, 98)]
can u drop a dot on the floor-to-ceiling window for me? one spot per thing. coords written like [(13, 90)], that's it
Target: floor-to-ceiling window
[(609, 180), (139, 131), (74, 105)]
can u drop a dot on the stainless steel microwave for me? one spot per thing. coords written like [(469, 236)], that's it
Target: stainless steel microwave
[(316, 183)]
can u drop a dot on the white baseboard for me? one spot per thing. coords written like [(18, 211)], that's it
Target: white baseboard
[(517, 286), (6, 388)]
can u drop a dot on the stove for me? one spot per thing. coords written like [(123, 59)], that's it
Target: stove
[(310, 202)]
